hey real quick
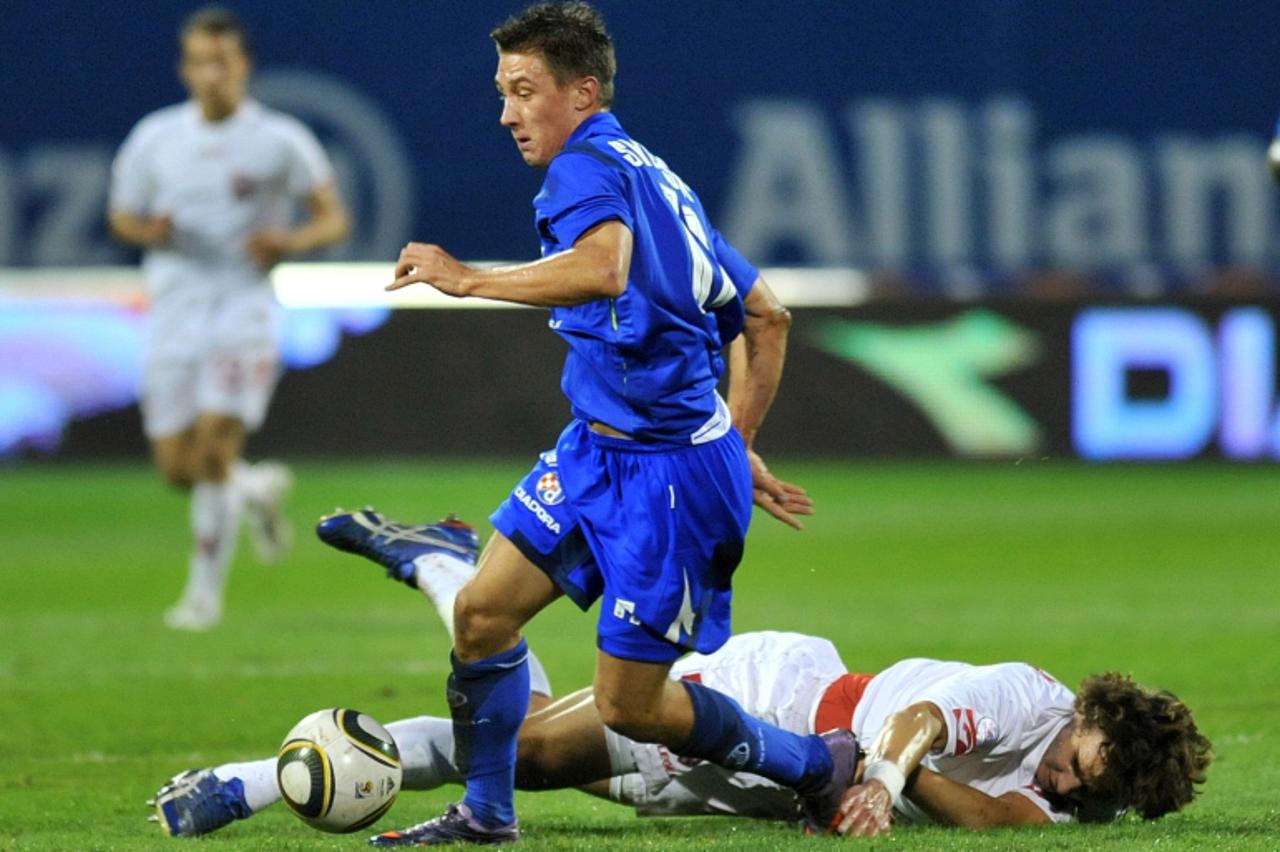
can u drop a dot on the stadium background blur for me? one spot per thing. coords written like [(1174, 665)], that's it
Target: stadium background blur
[(1032, 248)]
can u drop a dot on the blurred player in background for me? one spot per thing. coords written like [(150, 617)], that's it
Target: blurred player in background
[(944, 742), (645, 500), (207, 189)]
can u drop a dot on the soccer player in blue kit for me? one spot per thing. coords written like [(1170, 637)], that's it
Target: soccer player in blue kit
[(645, 500)]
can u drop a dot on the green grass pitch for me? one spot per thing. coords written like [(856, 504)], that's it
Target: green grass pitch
[(1169, 573)]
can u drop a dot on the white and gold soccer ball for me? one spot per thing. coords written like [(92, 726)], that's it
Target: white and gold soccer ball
[(339, 770)]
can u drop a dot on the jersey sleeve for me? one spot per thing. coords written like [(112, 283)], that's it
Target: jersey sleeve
[(581, 190), (740, 270), (309, 167), (132, 182), (981, 708)]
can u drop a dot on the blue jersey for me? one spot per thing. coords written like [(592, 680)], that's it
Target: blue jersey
[(647, 362)]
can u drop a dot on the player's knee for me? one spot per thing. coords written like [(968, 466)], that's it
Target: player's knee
[(480, 629), (177, 476), (175, 471), (631, 719)]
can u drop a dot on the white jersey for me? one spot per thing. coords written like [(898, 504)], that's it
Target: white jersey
[(213, 326), (220, 182), (1000, 721)]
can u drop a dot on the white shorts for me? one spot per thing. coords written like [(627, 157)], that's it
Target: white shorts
[(210, 352), (776, 677)]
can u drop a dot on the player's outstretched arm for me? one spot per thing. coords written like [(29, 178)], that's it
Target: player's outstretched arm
[(595, 268), (756, 358), (949, 802), (867, 808)]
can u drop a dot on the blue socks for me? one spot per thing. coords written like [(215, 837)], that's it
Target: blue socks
[(488, 700), (723, 733)]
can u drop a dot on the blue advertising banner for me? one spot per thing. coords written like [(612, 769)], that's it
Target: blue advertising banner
[(963, 147)]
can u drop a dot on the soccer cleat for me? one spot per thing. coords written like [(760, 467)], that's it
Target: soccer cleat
[(194, 614), (456, 825), (819, 807), (397, 547), (196, 802), (269, 528)]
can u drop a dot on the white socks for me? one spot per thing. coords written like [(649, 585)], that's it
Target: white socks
[(426, 752), (259, 779), (440, 577), (215, 523)]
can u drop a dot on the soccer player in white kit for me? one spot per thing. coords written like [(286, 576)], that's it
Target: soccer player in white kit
[(208, 189), (974, 746)]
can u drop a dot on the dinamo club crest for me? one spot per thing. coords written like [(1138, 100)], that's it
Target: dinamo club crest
[(549, 490)]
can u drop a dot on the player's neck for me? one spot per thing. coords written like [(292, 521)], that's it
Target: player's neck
[(214, 113)]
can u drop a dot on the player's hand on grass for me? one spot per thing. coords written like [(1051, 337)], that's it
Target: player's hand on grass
[(423, 263), (269, 247), (865, 811), (783, 500)]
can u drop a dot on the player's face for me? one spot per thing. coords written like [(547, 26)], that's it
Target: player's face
[(215, 69), (1073, 762), (539, 114)]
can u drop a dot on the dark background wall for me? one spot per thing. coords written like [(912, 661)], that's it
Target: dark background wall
[(965, 144)]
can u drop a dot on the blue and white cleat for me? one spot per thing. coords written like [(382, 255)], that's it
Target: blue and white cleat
[(196, 802), (455, 826), (395, 546)]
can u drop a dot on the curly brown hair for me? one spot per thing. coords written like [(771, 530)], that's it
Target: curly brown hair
[(1155, 756), (571, 38)]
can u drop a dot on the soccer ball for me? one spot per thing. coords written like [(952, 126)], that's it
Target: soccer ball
[(338, 770)]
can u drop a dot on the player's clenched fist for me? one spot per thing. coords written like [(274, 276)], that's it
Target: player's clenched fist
[(865, 811), (424, 263)]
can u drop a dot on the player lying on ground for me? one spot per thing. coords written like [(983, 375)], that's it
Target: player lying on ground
[(974, 746)]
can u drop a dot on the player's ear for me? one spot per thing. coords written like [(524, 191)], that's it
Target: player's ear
[(586, 93)]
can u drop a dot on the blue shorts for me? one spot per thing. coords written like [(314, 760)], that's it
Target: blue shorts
[(655, 529)]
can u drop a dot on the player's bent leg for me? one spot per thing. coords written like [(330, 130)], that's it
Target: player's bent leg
[(265, 488), (563, 745), (506, 591), (695, 721), (488, 698), (215, 522)]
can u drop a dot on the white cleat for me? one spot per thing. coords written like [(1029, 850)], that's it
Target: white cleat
[(269, 528), (194, 614)]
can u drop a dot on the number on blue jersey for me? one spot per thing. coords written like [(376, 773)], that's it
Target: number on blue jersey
[(703, 262)]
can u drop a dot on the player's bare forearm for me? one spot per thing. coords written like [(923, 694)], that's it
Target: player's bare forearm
[(140, 231), (755, 369), (329, 222), (949, 802), (867, 808), (595, 268), (756, 360)]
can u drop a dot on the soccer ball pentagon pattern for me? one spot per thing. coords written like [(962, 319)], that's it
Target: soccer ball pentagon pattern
[(338, 770)]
